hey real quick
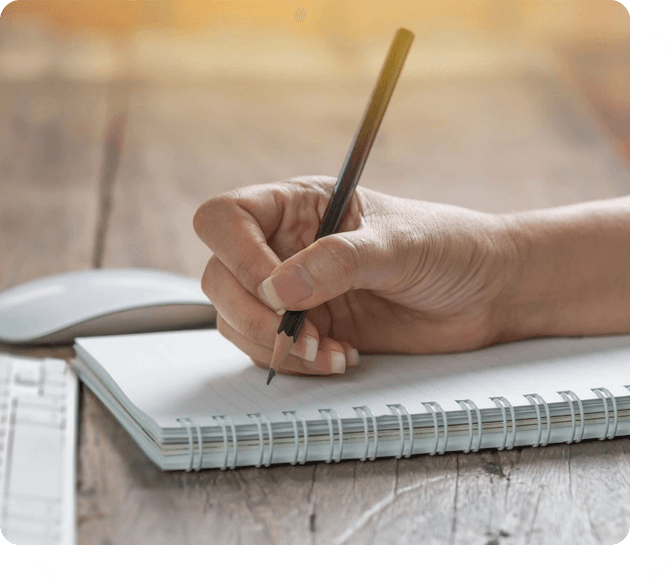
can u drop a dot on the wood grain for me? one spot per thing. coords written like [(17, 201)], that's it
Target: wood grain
[(50, 153), (495, 145)]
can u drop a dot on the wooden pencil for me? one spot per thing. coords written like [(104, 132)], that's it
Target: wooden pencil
[(353, 165)]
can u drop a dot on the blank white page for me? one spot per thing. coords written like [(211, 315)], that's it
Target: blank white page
[(198, 374)]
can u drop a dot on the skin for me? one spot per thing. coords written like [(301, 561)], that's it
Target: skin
[(407, 276)]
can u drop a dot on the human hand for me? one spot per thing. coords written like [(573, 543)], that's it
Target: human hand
[(400, 276)]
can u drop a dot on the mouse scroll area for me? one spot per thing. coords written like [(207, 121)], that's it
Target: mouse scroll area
[(141, 320)]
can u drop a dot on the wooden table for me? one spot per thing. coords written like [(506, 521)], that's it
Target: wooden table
[(511, 141)]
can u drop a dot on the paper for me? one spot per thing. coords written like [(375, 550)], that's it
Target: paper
[(198, 374)]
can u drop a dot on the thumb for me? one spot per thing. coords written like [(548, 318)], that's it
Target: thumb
[(324, 270)]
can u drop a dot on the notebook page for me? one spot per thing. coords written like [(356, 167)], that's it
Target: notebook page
[(199, 374)]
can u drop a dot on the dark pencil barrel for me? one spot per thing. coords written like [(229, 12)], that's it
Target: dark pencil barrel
[(292, 323), (366, 133), (357, 155)]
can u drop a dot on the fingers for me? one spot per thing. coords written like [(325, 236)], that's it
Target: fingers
[(352, 355), (331, 357), (253, 327), (235, 226), (247, 315), (326, 269)]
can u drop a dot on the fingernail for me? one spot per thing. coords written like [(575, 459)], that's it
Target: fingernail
[(338, 362), (309, 346), (287, 287), (352, 357), (266, 292)]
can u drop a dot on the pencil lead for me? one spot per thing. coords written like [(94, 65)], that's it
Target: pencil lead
[(271, 375)]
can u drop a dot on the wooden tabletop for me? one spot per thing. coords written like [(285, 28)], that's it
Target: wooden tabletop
[(500, 142)]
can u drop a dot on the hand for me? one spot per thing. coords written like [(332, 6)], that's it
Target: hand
[(400, 276)]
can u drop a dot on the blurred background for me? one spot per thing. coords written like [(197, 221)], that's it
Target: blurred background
[(119, 118), (585, 42)]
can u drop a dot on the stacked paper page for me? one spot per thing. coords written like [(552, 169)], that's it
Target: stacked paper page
[(198, 374)]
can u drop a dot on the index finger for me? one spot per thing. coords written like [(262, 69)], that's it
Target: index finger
[(236, 226)]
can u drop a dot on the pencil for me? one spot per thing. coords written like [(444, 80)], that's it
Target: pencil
[(353, 165)]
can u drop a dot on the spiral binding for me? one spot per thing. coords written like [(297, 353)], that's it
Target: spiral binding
[(224, 421), (406, 429), (570, 397), (502, 403), (327, 413), (189, 424), (433, 407), (536, 400), (294, 415), (468, 405), (604, 394), (259, 418), (364, 412), (400, 411)]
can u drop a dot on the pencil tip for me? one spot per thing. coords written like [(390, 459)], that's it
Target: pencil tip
[(271, 375)]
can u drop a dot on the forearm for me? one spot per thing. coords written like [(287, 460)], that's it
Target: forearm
[(571, 274)]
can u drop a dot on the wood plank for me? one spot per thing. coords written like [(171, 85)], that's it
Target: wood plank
[(568, 494), (51, 147), (553, 495), (495, 145), (50, 154)]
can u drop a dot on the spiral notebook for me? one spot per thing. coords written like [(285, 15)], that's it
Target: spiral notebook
[(192, 400)]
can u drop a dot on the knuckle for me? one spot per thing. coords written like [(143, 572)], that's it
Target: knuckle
[(343, 256), (211, 209), (228, 198), (203, 216), (254, 329), (245, 272), (208, 281), (199, 218), (204, 285)]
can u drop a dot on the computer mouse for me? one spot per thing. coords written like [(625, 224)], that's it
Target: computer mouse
[(58, 308)]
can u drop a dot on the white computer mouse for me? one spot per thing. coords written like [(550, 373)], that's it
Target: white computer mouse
[(56, 309)]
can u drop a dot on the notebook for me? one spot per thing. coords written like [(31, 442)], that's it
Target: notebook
[(192, 400)]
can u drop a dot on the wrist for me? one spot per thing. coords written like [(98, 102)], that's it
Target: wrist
[(568, 272), (522, 308)]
